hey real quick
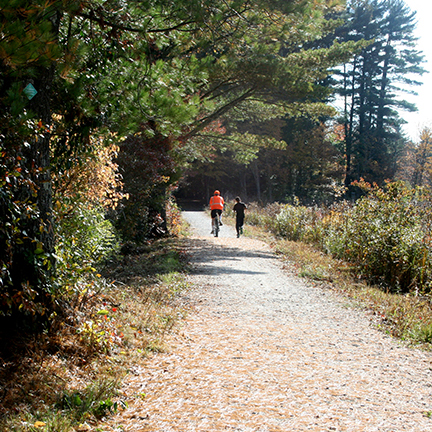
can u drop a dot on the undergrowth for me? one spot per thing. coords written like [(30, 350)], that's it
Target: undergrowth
[(69, 379), (407, 317)]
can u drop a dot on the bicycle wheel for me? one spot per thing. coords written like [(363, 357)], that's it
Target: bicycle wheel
[(216, 226)]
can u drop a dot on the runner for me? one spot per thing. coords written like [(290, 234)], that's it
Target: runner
[(239, 209)]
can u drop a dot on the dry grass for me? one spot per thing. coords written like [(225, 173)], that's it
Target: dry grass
[(72, 376), (407, 317), (43, 378)]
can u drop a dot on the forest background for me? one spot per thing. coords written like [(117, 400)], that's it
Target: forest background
[(112, 111), (108, 109)]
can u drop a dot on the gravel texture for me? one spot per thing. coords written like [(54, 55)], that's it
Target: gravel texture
[(265, 351)]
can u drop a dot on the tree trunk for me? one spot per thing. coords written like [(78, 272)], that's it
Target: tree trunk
[(255, 173), (41, 158), (34, 262), (349, 125), (243, 185)]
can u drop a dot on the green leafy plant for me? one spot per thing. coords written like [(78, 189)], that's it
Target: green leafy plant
[(95, 400), (386, 234), (423, 333)]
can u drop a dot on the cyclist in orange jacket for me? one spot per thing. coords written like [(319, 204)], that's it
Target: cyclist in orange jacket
[(216, 206)]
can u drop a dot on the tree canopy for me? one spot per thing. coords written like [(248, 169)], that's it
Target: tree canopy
[(76, 74)]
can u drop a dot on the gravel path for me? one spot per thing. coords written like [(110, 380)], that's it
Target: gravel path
[(263, 351)]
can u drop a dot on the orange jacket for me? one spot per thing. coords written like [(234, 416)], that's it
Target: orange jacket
[(216, 203)]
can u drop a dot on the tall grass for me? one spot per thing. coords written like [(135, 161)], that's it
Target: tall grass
[(386, 235), (377, 252)]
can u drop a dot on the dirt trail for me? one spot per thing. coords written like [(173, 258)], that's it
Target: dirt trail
[(263, 351)]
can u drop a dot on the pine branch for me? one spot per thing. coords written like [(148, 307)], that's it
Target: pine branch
[(203, 123), (104, 23)]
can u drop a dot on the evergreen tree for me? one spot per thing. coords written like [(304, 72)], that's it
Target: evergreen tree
[(156, 71), (372, 83)]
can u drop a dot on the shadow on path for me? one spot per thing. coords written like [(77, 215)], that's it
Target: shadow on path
[(202, 250)]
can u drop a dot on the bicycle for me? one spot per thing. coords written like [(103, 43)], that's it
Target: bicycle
[(216, 225)]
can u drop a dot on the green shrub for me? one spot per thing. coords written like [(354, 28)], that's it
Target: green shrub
[(299, 223), (386, 235), (84, 239), (262, 216)]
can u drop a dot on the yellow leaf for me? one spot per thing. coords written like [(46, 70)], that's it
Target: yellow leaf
[(39, 424)]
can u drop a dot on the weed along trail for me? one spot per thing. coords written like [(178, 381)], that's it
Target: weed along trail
[(262, 351)]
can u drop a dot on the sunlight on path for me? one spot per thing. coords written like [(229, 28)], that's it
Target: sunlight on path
[(265, 352), (201, 229)]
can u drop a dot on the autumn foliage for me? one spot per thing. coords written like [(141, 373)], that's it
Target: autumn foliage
[(385, 235)]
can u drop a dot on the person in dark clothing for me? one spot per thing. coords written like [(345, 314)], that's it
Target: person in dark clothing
[(239, 208)]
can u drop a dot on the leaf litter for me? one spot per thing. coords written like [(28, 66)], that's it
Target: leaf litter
[(263, 350)]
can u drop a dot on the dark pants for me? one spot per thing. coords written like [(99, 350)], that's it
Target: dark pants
[(239, 224), (215, 212)]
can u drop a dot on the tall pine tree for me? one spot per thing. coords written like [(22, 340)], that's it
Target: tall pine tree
[(372, 86)]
